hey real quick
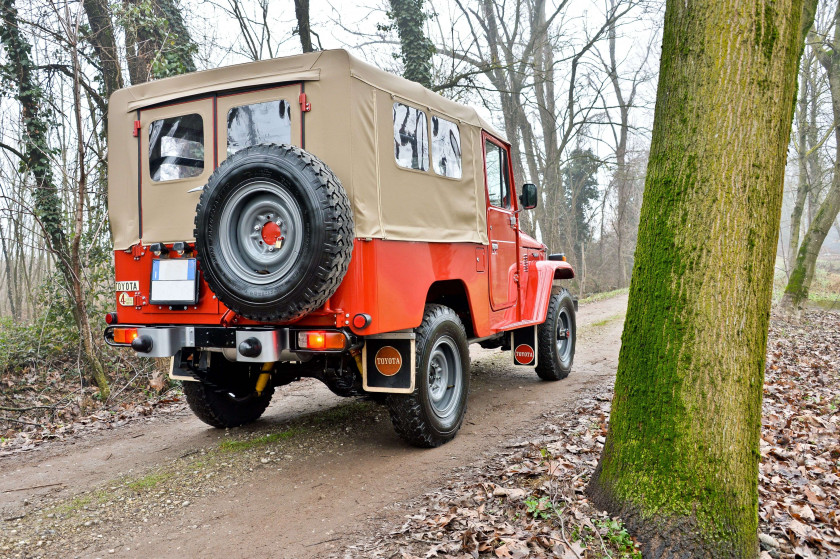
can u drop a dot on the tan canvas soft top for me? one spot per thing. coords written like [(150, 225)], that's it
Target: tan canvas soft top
[(350, 127)]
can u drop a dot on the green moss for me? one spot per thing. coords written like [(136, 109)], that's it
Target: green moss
[(685, 421), (249, 444), (606, 320), (342, 414), (149, 481)]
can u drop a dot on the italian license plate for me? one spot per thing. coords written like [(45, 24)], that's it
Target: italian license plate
[(174, 282)]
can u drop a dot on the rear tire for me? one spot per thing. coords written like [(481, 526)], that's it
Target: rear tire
[(434, 412), (556, 338), (226, 396)]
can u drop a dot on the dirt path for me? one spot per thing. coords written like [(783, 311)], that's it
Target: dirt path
[(329, 485)]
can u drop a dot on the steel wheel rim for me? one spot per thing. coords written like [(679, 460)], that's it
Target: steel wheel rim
[(445, 378), (241, 232), (564, 335)]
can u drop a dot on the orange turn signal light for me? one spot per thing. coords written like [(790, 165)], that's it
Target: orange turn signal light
[(320, 340), (124, 335)]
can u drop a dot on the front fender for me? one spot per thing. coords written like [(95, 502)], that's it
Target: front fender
[(541, 282)]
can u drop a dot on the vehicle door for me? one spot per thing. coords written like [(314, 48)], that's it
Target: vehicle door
[(176, 158), (501, 225)]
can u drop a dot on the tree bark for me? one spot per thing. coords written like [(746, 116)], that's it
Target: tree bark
[(802, 161), (680, 463), (166, 41), (103, 41), (303, 29), (10, 280), (416, 49)]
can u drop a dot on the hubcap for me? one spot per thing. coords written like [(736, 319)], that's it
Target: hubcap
[(445, 378), (260, 232), (564, 335)]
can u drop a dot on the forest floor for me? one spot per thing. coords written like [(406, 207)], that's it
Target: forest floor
[(320, 477), (45, 398)]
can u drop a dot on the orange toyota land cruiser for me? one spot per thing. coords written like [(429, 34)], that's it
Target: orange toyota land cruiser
[(314, 216)]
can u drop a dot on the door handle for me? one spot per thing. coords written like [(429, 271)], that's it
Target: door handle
[(494, 246)]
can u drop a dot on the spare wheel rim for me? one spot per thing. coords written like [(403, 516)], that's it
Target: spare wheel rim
[(258, 213)]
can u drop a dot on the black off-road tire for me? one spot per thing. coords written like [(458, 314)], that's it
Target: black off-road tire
[(413, 415), (223, 400), (316, 266), (552, 365)]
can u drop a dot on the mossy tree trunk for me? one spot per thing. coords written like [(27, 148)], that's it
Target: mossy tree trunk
[(416, 49), (157, 41), (680, 463), (802, 135), (799, 283)]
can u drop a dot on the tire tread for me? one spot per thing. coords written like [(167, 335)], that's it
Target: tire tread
[(548, 367), (406, 410)]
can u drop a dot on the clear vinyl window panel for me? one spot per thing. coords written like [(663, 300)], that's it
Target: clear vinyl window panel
[(176, 148), (411, 138), (259, 123), (446, 148), (498, 189)]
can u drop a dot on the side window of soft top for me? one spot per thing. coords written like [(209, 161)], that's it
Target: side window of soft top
[(411, 138), (446, 148)]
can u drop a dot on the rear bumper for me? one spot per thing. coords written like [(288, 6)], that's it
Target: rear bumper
[(260, 345)]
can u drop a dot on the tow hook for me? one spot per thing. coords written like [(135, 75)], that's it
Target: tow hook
[(264, 377), (142, 344), (250, 347)]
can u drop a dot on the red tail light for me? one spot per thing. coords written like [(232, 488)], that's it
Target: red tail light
[(316, 340)]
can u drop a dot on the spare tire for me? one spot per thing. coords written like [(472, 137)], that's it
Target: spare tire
[(273, 232)]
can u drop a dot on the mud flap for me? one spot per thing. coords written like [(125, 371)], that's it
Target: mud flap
[(523, 342), (388, 363)]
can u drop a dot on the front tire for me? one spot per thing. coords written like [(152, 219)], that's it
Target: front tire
[(556, 338), (226, 396), (434, 412)]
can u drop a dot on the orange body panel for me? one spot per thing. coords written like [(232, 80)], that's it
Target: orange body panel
[(388, 280)]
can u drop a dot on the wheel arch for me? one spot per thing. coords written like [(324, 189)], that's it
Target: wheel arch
[(562, 270), (453, 293)]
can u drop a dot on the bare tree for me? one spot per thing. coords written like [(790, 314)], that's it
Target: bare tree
[(36, 160), (625, 91), (303, 30), (548, 84), (827, 51), (157, 42), (680, 460), (103, 40)]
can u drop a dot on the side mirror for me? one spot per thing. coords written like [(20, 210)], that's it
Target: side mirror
[(528, 197)]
